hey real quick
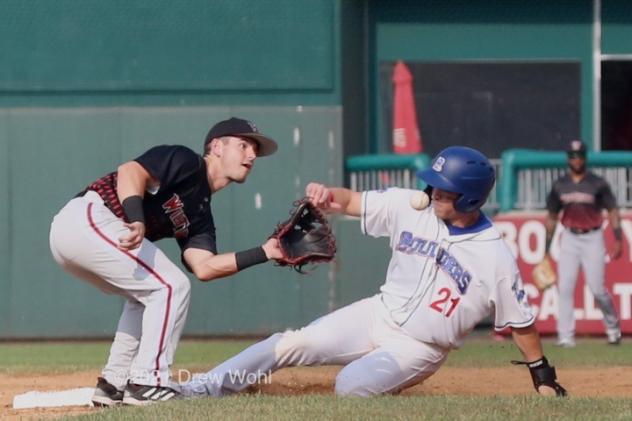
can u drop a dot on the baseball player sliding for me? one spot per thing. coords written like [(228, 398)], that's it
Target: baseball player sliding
[(449, 269), (105, 236)]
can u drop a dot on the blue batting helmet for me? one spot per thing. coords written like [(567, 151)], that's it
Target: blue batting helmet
[(462, 170)]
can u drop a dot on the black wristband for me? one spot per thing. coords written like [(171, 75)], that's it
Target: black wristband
[(618, 234), (133, 208), (251, 257)]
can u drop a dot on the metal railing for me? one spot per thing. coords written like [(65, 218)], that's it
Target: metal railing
[(534, 185), (381, 179), (375, 172), (528, 176)]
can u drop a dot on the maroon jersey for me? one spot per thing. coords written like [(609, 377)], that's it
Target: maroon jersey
[(581, 202), (180, 207)]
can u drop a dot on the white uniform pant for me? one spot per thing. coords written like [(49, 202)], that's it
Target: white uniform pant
[(83, 239), (378, 356), (588, 252)]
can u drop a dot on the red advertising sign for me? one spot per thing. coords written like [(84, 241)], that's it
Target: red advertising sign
[(525, 235)]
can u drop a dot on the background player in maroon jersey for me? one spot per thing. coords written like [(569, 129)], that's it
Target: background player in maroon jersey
[(581, 196), (105, 236)]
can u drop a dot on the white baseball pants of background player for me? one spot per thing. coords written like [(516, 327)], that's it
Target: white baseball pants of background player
[(588, 251), (378, 356), (83, 239)]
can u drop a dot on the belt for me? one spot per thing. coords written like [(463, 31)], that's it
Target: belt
[(582, 230)]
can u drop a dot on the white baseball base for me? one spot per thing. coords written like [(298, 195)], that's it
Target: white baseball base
[(71, 397)]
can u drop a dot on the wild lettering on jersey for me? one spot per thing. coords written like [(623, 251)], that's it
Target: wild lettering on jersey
[(174, 208), (410, 244)]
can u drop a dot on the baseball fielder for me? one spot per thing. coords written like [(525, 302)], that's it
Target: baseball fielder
[(105, 236), (449, 269), (581, 196)]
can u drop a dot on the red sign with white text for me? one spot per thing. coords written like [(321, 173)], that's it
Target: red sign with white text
[(525, 235)]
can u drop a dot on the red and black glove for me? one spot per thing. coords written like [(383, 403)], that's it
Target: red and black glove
[(305, 237)]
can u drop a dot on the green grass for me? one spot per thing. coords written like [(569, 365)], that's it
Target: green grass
[(63, 357), (316, 407), (591, 352)]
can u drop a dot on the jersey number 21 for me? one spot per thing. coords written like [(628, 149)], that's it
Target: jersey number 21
[(442, 303)]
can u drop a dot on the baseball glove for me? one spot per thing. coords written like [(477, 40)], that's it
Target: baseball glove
[(542, 374), (305, 237), (544, 275)]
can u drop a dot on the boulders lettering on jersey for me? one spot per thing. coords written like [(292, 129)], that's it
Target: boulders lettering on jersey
[(410, 244)]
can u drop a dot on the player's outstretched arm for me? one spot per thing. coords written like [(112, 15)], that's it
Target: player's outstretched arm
[(334, 199), (208, 266), (543, 375)]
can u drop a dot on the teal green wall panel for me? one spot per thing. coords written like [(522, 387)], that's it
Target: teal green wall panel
[(56, 152), (320, 149), (266, 297), (361, 264), (272, 291), (157, 45), (480, 41), (73, 53), (145, 127), (5, 232), (616, 27)]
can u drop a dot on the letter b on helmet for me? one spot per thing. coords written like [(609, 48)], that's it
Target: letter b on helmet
[(462, 170)]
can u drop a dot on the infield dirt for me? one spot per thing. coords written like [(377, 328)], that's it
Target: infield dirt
[(510, 381)]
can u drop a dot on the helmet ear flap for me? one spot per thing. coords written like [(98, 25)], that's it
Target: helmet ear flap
[(466, 204)]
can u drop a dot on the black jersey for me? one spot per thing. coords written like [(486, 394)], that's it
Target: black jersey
[(180, 206), (581, 202)]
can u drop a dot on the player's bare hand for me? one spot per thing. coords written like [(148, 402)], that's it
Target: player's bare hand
[(134, 238), (321, 197), (617, 250), (272, 249)]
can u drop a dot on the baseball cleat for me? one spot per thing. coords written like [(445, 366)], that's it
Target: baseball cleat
[(140, 395), (106, 394), (566, 343), (614, 336)]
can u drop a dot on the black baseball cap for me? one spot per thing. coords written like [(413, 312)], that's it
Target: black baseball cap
[(242, 128), (576, 148)]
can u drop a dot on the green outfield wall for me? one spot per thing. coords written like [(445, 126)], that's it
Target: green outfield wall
[(141, 52), (54, 153), (87, 84)]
